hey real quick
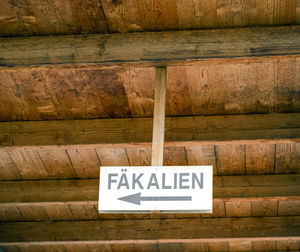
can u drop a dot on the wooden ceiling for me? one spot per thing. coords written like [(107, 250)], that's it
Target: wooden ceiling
[(38, 17), (83, 98)]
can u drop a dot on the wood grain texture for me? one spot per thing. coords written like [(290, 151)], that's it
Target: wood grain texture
[(85, 160), (150, 48), (29, 164), (8, 169), (238, 209), (113, 157), (159, 114), (264, 208), (36, 17), (289, 207), (57, 163), (261, 86), (218, 245), (139, 88), (56, 94), (151, 229), (230, 159), (201, 155), (88, 210), (260, 159), (87, 189), (287, 158), (139, 130), (175, 156), (178, 101)]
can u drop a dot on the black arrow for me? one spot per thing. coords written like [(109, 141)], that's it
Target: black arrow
[(136, 198)]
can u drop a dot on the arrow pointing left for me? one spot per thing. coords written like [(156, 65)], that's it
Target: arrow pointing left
[(137, 198)]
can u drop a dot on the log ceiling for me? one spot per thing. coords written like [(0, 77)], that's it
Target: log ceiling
[(37, 17), (84, 98)]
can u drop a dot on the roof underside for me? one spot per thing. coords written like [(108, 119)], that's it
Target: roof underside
[(83, 98)]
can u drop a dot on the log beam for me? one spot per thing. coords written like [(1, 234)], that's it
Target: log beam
[(161, 48), (234, 196), (111, 230), (206, 129)]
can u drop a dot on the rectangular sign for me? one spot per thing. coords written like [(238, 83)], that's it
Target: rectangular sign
[(152, 188)]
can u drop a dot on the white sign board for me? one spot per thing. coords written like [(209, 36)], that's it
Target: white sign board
[(150, 188)]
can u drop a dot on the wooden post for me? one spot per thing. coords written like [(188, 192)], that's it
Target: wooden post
[(159, 116)]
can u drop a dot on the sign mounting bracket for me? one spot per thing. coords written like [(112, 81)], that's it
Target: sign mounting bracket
[(159, 116)]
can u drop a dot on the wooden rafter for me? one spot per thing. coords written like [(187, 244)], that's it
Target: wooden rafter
[(151, 229), (170, 47), (207, 129)]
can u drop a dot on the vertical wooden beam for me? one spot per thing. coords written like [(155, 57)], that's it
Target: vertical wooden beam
[(159, 116)]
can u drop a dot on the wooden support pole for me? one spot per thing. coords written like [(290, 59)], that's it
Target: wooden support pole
[(159, 116)]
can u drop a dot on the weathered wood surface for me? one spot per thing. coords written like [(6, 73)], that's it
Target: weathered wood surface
[(150, 48), (234, 196), (150, 229), (250, 186), (88, 210), (260, 86), (258, 127), (165, 245), (76, 161), (159, 115), (37, 17)]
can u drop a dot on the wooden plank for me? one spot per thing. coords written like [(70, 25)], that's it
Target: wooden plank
[(175, 156), (288, 245), (150, 48), (194, 14), (217, 244), (85, 162), (87, 189), (260, 159), (140, 156), (287, 158), (230, 159), (264, 208), (259, 86), (286, 207), (8, 169), (122, 16), (238, 209), (161, 15), (29, 164), (57, 163), (240, 246), (206, 93), (115, 131), (178, 101), (113, 156), (85, 17), (264, 245), (285, 73), (100, 247), (256, 87), (34, 213), (140, 97), (46, 18), (172, 229), (159, 116), (87, 210), (201, 155)]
